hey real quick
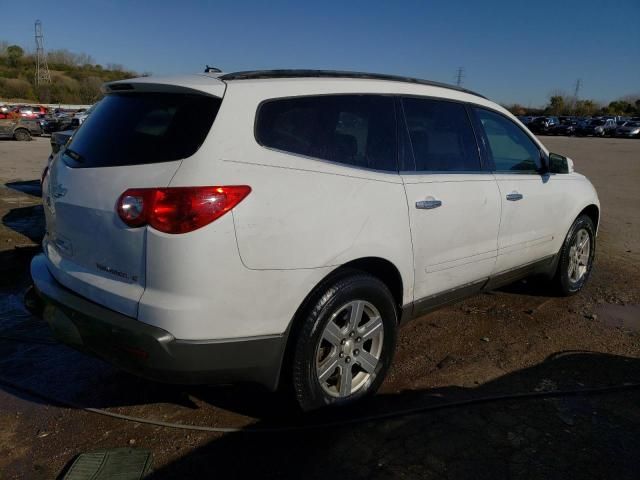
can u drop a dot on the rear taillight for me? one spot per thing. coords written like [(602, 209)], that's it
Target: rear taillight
[(178, 209)]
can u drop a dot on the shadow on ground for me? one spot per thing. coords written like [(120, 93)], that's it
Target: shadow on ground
[(30, 187), (27, 221), (573, 436), (14, 266), (568, 437)]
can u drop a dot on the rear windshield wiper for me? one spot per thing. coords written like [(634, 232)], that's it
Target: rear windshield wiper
[(74, 155)]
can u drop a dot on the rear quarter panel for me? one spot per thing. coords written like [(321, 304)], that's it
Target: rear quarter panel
[(302, 213)]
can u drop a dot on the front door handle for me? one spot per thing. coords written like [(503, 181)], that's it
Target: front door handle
[(428, 204), (514, 196)]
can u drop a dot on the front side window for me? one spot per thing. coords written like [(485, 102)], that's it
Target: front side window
[(510, 148), (356, 130), (441, 136)]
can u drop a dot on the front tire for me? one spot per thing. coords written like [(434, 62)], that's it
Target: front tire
[(345, 343), (576, 257)]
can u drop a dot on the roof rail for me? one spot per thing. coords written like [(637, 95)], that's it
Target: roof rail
[(264, 74)]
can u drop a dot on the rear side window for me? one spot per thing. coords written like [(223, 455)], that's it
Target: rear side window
[(140, 128), (441, 136), (357, 130), (510, 148)]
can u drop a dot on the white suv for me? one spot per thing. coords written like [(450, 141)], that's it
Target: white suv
[(278, 226)]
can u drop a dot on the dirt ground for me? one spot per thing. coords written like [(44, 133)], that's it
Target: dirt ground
[(517, 339)]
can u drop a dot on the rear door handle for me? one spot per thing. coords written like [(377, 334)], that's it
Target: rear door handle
[(428, 204), (514, 196)]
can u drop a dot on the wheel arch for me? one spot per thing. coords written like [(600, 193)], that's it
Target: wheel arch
[(384, 270), (593, 212)]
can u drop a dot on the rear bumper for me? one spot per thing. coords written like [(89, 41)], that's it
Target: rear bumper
[(149, 351)]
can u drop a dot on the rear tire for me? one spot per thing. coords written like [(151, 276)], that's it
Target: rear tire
[(345, 342), (22, 135), (576, 257)]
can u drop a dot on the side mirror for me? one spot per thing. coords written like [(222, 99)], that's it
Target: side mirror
[(559, 164), (544, 164)]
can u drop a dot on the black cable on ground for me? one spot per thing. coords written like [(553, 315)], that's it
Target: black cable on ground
[(339, 423)]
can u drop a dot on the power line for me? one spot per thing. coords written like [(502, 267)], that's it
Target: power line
[(42, 68)]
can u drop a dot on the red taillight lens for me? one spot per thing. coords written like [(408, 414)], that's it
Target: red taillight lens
[(178, 209)]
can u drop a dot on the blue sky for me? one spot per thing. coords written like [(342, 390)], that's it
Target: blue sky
[(511, 51)]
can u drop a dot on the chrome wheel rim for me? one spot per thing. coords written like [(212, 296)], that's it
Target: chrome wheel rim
[(579, 253), (349, 349)]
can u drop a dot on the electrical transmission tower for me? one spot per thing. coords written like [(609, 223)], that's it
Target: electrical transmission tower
[(577, 89), (459, 76), (42, 69)]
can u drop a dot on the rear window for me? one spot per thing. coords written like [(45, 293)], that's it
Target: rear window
[(140, 128), (356, 130)]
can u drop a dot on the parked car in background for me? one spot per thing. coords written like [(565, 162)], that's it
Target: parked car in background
[(526, 119), (34, 126), (32, 112), (59, 140), (19, 128), (81, 116), (630, 129), (543, 125), (278, 227), (566, 126), (598, 127), (53, 123)]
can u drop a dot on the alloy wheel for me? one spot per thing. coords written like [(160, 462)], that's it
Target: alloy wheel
[(579, 254), (350, 348)]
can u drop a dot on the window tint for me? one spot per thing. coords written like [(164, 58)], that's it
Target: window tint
[(358, 130), (510, 147), (441, 136), (139, 128)]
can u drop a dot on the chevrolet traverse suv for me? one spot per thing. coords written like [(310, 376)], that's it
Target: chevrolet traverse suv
[(277, 227)]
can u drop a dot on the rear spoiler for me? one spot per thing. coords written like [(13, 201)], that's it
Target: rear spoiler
[(198, 84)]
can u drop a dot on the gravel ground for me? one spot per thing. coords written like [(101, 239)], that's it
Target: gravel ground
[(517, 339)]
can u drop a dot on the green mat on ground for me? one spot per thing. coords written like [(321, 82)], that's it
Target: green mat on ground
[(113, 464)]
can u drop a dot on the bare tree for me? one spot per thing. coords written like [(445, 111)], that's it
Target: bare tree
[(90, 90)]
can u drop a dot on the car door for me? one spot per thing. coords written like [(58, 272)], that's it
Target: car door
[(6, 127), (528, 197), (454, 204)]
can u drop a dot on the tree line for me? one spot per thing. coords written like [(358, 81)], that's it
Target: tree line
[(562, 104), (75, 77)]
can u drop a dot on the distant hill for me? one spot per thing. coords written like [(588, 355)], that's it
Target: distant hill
[(75, 78)]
